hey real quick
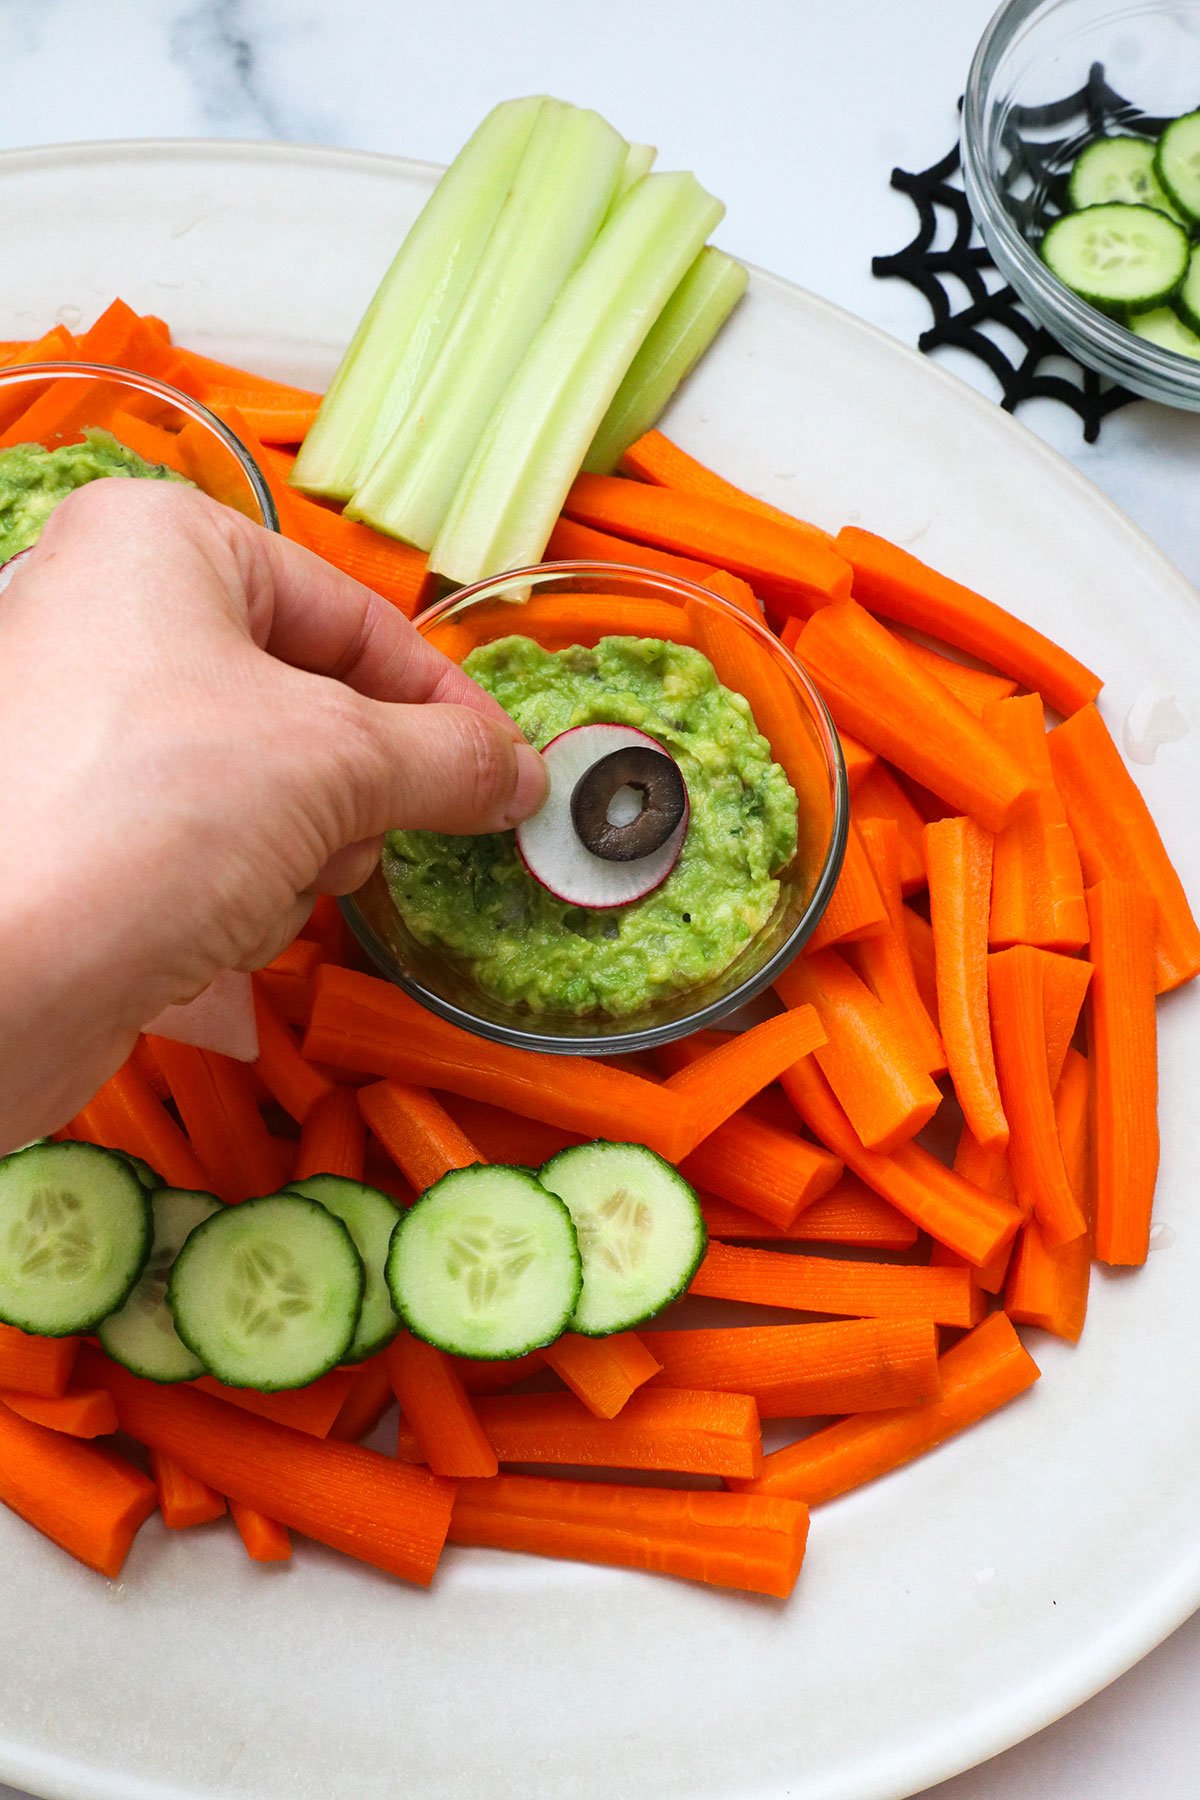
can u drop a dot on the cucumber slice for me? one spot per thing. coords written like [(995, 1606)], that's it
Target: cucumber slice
[(1188, 297), (485, 1264), (1117, 168), (1165, 328), (142, 1335), (148, 1177), (370, 1217), (75, 1233), (641, 1231), (267, 1294), (1118, 257), (1177, 164)]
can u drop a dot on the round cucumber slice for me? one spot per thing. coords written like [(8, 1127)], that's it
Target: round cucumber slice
[(1188, 298), (142, 1335), (370, 1217), (1177, 164), (267, 1294), (75, 1233), (485, 1264), (1121, 169), (1118, 257), (1165, 328), (641, 1231)]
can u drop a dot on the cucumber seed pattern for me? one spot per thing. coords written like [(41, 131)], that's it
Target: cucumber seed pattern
[(265, 1289), (488, 1259), (51, 1238), (616, 1233)]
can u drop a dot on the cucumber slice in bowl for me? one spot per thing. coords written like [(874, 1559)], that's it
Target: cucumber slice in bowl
[(485, 1264), (1120, 258), (1177, 164), (1165, 328), (641, 1231), (370, 1218), (75, 1234), (141, 1336), (268, 1294), (1118, 168)]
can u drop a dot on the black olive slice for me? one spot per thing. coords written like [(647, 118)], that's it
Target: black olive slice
[(654, 777)]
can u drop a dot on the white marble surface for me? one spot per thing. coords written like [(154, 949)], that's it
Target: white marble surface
[(794, 111)]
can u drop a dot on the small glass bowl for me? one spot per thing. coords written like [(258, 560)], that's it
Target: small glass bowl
[(1035, 54), (53, 404), (530, 602)]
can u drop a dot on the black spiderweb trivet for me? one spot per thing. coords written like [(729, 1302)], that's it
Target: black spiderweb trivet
[(1041, 143)]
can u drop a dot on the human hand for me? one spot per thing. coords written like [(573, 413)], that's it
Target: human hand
[(201, 728)]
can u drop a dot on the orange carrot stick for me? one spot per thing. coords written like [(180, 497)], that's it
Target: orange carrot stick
[(773, 1174), (790, 565), (933, 1196), (1122, 1032), (976, 688), (654, 458), (876, 690), (1117, 837), (739, 593), (885, 961), (848, 1214), (855, 908), (444, 1425), (182, 1500), (869, 1060), (36, 1365), (572, 542), (216, 1101), (85, 1499), (310, 1409), (481, 1375), (280, 1067), (287, 982), (1050, 1287), (821, 1284), (366, 1403), (127, 1115), (333, 1138), (143, 1062), (894, 584), (505, 1137), (958, 857), (982, 1372), (1037, 887), (987, 1169), (718, 1084), (602, 1372), (880, 797), (727, 1540), (663, 1429), (416, 1131), (806, 1371), (265, 1540), (1065, 983), (83, 1413), (1016, 980), (343, 1495), (859, 761), (326, 928)]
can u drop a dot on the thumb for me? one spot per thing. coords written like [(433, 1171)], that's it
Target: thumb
[(441, 768)]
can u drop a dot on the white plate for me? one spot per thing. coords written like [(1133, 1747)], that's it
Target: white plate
[(943, 1613)]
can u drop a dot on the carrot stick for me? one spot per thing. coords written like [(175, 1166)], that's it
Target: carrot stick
[(855, 908), (276, 412), (1050, 1287), (343, 1495), (885, 961), (876, 690), (976, 688), (182, 1500), (880, 799), (739, 593), (773, 1174), (333, 1138), (36, 1365), (152, 442), (365, 1024), (368, 1400), (668, 1429), (894, 584), (655, 459), (848, 1214), (790, 565), (1016, 983), (727, 1540), (933, 1196), (311, 1409), (602, 1372), (958, 857), (869, 1061), (480, 1375), (1117, 837), (567, 619), (84, 1498), (287, 982), (125, 340), (820, 1284), (919, 933), (84, 1413), (280, 1067), (806, 1371), (859, 761), (1037, 887), (326, 928), (505, 1137), (718, 1084), (572, 542), (979, 1374), (416, 1131), (143, 1062), (1066, 980), (1122, 1033), (265, 1540), (987, 1169), (216, 1101), (438, 1415), (127, 1115)]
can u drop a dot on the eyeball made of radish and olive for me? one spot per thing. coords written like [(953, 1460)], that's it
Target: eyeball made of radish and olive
[(614, 819)]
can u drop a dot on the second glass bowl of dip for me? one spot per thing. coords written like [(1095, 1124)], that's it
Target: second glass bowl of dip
[(558, 604)]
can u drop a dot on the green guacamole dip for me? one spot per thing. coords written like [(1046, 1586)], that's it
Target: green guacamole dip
[(472, 896), (34, 480)]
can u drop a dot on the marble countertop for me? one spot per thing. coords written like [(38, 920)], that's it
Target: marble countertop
[(795, 112)]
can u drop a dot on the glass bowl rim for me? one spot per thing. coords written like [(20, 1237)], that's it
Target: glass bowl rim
[(150, 384), (645, 1037), (1168, 375)]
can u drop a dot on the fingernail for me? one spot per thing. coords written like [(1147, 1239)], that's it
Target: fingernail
[(530, 790)]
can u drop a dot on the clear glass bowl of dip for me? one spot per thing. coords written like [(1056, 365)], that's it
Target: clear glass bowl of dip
[(1036, 54), (565, 603), (57, 404)]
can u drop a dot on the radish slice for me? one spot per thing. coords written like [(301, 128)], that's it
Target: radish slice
[(550, 845), (11, 566), (221, 1018)]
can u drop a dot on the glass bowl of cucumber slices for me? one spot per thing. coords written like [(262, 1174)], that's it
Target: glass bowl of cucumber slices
[(1081, 159)]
